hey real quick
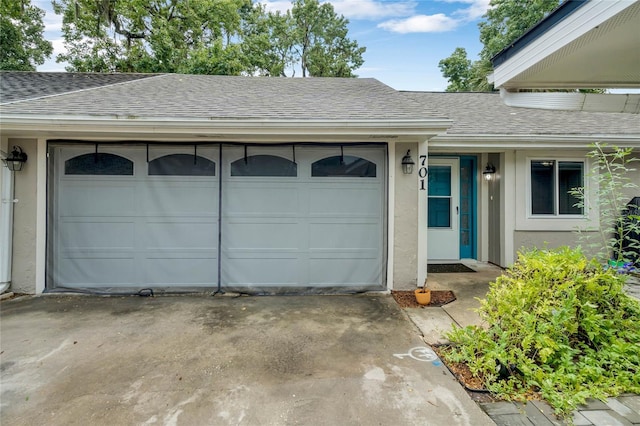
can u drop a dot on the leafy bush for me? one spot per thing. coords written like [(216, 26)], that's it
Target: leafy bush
[(559, 326), (611, 180)]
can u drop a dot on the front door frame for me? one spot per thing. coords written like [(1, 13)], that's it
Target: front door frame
[(443, 242), (470, 162)]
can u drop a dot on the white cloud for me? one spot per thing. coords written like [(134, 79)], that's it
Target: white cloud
[(370, 9), (421, 24), (475, 10)]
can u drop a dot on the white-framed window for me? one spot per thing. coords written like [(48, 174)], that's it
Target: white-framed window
[(550, 183)]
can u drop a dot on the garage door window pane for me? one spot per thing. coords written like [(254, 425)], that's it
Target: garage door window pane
[(182, 165), (343, 166), (98, 164), (264, 165)]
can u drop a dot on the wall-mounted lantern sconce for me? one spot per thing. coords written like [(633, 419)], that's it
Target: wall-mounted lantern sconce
[(489, 171), (16, 159), (407, 163)]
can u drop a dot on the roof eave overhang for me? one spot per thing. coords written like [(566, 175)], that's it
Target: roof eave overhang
[(492, 143), (556, 57), (137, 128)]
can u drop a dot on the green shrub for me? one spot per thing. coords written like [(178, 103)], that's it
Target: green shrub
[(560, 326)]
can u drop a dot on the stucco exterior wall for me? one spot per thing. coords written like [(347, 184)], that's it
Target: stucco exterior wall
[(23, 269), (548, 239), (405, 253)]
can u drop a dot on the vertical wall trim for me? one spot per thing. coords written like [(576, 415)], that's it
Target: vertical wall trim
[(422, 219), (508, 221), (41, 214), (483, 208), (391, 197)]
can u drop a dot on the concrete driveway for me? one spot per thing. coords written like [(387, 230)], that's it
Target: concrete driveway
[(321, 360)]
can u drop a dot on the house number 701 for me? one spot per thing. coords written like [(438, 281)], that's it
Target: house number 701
[(422, 171)]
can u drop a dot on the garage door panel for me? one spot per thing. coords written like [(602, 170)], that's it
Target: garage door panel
[(271, 236), (181, 235), (197, 270), (344, 271), (97, 198), (262, 200), (101, 272), (93, 234), (180, 199), (347, 202), (344, 236), (268, 272)]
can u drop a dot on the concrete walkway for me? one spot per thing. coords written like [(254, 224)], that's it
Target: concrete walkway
[(468, 287)]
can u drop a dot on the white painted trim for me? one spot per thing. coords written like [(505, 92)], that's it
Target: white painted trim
[(6, 218), (525, 221), (215, 129), (423, 149), (391, 196), (508, 197), (491, 143), (483, 208), (592, 102), (41, 214), (581, 21)]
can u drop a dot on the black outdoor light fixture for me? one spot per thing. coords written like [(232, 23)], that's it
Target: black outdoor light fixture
[(16, 159), (407, 163), (489, 171)]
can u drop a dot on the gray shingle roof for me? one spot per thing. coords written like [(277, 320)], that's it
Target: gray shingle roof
[(486, 114), (20, 85), (224, 97)]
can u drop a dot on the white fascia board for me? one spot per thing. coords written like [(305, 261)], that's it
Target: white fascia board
[(213, 128), (580, 22), (493, 143), (592, 102)]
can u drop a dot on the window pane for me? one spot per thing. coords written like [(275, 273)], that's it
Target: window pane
[(264, 165), (570, 175), (439, 213), (98, 164), (440, 180), (542, 187), (346, 165), (182, 165)]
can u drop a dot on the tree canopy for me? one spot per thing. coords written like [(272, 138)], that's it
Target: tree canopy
[(504, 22), (22, 45), (229, 37)]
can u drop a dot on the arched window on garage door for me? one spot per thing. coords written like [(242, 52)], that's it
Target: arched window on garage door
[(343, 165), (264, 165), (98, 163), (182, 165)]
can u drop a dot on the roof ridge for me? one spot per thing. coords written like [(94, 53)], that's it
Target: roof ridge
[(85, 89)]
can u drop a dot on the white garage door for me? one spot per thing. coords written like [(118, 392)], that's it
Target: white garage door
[(121, 222), (131, 217)]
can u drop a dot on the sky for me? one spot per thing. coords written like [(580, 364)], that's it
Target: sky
[(405, 39)]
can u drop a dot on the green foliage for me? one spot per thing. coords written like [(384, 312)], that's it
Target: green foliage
[(504, 22), (22, 45), (507, 20), (321, 41), (611, 185), (560, 325), (206, 37), (457, 70)]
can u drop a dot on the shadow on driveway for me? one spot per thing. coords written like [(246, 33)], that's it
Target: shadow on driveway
[(204, 360)]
